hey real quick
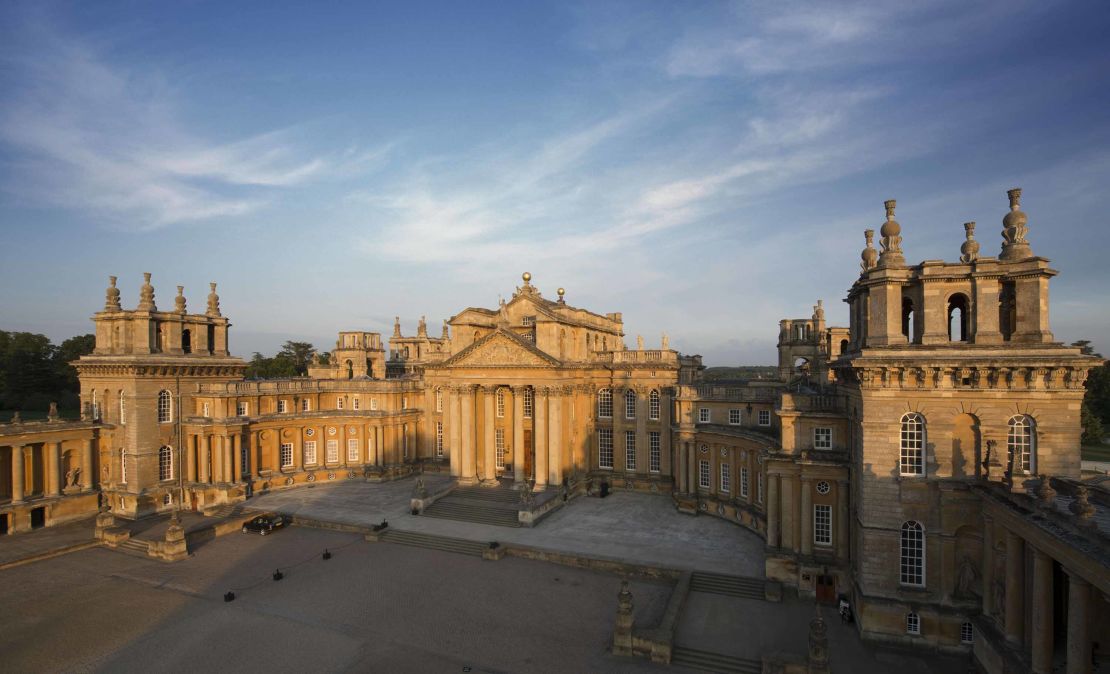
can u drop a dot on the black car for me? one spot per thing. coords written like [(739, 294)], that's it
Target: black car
[(264, 524)]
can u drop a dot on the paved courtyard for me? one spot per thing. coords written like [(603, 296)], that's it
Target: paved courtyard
[(630, 527)]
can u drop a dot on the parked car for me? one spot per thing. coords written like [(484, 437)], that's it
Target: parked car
[(264, 524)]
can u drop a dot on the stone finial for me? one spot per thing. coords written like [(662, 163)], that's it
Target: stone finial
[(213, 301), (1014, 245), (422, 328), (396, 326), (639, 342), (970, 248), (446, 331), (665, 342), (624, 599), (869, 256), (111, 296), (1046, 495), (16, 418), (818, 659), (891, 232), (52, 413), (1081, 507), (819, 311), (146, 295), (179, 301), (526, 277), (562, 292)]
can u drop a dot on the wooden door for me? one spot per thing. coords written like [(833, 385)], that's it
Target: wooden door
[(526, 454), (826, 589)]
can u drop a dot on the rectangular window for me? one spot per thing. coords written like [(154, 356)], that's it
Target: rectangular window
[(286, 454), (242, 409), (653, 404), (339, 402), (726, 478), (439, 439), (744, 481), (500, 403), (703, 415), (764, 417), (605, 404), (352, 450), (404, 402), (528, 403), (655, 456), (703, 474), (439, 400), (822, 438), (967, 633), (759, 487), (605, 447), (206, 410), (333, 451), (630, 450), (309, 452), (734, 417), (373, 404), (913, 623), (630, 405), (355, 403), (822, 524), (283, 406), (500, 446), (306, 405)]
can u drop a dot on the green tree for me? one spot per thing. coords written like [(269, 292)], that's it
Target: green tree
[(300, 353), (1092, 428)]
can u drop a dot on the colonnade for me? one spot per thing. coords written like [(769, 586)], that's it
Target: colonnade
[(23, 458), (790, 513), (1033, 598), (212, 459)]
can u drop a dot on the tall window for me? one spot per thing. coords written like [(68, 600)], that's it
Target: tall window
[(653, 405), (913, 623), (373, 404), (352, 450), (726, 478), (703, 474), (500, 403), (967, 634), (630, 450), (355, 403), (165, 463), (527, 403), (759, 487), (605, 404), (703, 415), (332, 451), (1021, 441), (439, 400), (605, 447), (764, 417), (822, 438), (206, 410), (309, 452), (245, 458), (629, 404), (912, 460), (287, 454), (242, 409), (339, 402), (499, 458), (165, 407), (306, 405), (96, 406), (744, 481), (122, 409), (822, 524), (439, 439), (123, 464), (734, 417), (283, 406), (913, 554), (655, 455)]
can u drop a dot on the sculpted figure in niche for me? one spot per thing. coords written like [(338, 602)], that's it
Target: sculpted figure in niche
[(965, 580)]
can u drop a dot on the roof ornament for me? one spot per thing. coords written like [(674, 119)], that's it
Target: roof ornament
[(422, 328), (146, 295), (179, 301), (111, 296), (1014, 245), (502, 314), (970, 248), (562, 291), (870, 256), (446, 332), (892, 238), (213, 301), (396, 326), (819, 311), (665, 342)]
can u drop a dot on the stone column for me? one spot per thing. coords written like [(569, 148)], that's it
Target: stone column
[(1015, 588), (518, 436), (202, 458), (539, 436), (678, 463), (18, 474), (468, 449), (489, 470), (987, 571), (691, 468), (843, 522), (455, 432), (237, 457), (642, 449), (88, 478), (805, 515), (555, 436), (53, 468), (217, 459), (229, 462), (1079, 625), (773, 510), (665, 439), (1042, 613), (190, 459)]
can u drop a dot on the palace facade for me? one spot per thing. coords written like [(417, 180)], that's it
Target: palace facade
[(922, 462)]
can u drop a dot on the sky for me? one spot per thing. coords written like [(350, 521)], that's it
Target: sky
[(706, 169)]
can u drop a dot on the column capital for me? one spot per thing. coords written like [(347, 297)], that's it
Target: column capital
[(541, 390), (518, 389), (467, 388), (1074, 578), (489, 389)]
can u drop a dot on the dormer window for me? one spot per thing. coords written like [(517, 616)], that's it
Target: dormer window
[(528, 321)]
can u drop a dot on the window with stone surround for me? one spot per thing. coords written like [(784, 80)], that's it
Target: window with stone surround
[(122, 410), (822, 438), (653, 405), (630, 450), (912, 445), (332, 451), (309, 452), (726, 478), (912, 554), (703, 415), (373, 404), (744, 481), (764, 417), (355, 404), (605, 447), (206, 410), (1021, 442), (759, 487), (242, 409), (527, 403), (306, 405), (913, 623), (286, 454), (703, 474), (165, 407), (499, 443), (629, 404), (352, 450), (822, 524), (655, 455), (500, 403), (967, 633), (605, 404), (339, 403), (439, 400), (439, 439), (734, 417), (282, 406), (165, 463)]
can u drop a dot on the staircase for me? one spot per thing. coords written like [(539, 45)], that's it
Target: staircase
[(481, 505), (134, 547), (733, 586), (714, 662), (432, 542)]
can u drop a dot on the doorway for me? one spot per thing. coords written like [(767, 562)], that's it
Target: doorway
[(826, 589), (526, 454), (4, 524), (38, 517)]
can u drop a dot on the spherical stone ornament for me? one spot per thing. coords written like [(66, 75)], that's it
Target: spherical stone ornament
[(527, 276)]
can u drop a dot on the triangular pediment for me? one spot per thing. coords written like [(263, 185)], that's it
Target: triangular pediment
[(501, 349)]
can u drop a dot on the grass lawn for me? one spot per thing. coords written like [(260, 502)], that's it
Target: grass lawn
[(1096, 452)]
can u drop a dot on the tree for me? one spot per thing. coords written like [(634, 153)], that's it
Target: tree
[(34, 372), (300, 353), (1092, 427)]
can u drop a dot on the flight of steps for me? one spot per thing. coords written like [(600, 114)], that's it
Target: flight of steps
[(733, 586), (134, 547), (432, 542), (482, 505), (713, 662)]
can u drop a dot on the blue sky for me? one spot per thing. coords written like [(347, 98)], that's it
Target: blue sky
[(704, 168)]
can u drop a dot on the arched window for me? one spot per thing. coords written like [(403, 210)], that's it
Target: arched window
[(95, 406), (957, 318), (908, 320), (913, 623), (653, 405), (439, 400), (629, 404), (967, 633), (165, 407), (123, 464), (912, 452), (843, 345), (912, 564), (1021, 441), (165, 463), (122, 409), (350, 370), (605, 404)]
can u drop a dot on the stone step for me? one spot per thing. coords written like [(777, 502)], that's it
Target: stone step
[(480, 502), (497, 494), (734, 586), (714, 662), (447, 509), (134, 547), (431, 542)]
